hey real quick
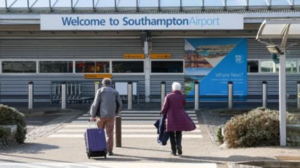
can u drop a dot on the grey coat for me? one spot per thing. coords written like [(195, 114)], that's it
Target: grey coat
[(108, 99)]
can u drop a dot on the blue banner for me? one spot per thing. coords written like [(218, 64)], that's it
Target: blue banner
[(214, 62)]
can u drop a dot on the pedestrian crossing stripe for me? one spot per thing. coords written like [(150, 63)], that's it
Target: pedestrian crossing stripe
[(123, 136), (77, 128), (139, 118), (109, 164), (123, 131), (123, 126)]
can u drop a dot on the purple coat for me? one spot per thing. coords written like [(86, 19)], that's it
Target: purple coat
[(177, 119)]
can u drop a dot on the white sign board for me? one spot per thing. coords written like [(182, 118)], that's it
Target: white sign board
[(121, 87), (143, 22)]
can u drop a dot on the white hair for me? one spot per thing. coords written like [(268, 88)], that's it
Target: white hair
[(176, 86), (106, 81)]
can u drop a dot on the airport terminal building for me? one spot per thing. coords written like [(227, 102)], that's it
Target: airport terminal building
[(143, 41)]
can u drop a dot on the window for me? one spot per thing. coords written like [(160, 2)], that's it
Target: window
[(271, 67), (128, 66), (267, 66), (56, 66), (291, 66), (252, 66), (92, 67), (19, 67), (167, 66)]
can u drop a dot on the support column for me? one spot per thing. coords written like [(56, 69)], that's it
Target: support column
[(147, 71), (282, 99)]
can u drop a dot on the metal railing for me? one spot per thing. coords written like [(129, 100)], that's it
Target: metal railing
[(76, 92)]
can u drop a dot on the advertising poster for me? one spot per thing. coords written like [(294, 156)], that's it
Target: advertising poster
[(214, 62)]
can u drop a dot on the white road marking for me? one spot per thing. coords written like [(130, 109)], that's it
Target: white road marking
[(123, 131), (123, 126), (189, 136), (109, 165)]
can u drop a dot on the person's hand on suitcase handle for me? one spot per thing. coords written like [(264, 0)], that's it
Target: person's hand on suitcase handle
[(92, 119)]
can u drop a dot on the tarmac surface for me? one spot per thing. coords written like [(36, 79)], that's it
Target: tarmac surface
[(57, 141)]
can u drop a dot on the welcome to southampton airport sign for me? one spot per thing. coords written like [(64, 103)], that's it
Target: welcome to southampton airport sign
[(143, 22)]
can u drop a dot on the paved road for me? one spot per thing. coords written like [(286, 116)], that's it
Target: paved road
[(130, 129), (36, 121), (109, 165), (65, 144)]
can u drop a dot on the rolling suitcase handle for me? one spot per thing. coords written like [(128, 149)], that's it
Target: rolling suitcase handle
[(90, 124)]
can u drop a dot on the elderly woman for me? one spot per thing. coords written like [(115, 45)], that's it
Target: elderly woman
[(177, 120)]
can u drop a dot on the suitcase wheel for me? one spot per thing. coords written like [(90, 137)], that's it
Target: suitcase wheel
[(88, 156), (105, 156)]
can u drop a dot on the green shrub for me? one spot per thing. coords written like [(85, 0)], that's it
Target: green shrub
[(259, 127), (3, 133), (11, 116), (220, 137)]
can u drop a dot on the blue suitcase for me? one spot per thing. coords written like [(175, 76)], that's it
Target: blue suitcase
[(95, 142)]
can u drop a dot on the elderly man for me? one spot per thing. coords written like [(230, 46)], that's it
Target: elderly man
[(107, 104)]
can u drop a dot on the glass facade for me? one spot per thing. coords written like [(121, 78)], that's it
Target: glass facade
[(167, 66), (267, 66), (56, 67), (18, 67), (252, 66), (92, 67), (144, 4), (128, 66)]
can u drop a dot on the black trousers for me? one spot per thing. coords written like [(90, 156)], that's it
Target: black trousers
[(175, 138)]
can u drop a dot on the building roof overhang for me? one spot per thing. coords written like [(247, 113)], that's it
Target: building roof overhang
[(283, 29)]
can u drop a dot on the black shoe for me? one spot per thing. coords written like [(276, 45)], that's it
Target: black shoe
[(179, 150), (173, 153), (110, 153)]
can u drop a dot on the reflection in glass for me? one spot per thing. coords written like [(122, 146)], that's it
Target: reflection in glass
[(102, 67), (291, 66), (213, 3), (19, 67), (280, 2), (128, 66), (170, 3), (127, 3), (297, 2), (85, 67), (236, 3), (191, 3), (56, 66), (252, 67), (148, 3), (257, 3), (92, 67), (167, 67), (267, 66)]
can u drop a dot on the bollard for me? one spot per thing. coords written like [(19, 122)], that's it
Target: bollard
[(197, 93), (162, 92), (230, 94), (63, 95), (129, 95), (96, 87), (118, 131), (298, 94), (30, 95), (264, 94)]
